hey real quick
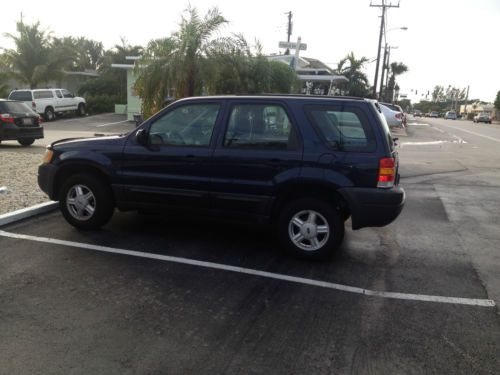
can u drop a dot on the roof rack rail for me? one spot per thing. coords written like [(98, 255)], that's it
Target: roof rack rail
[(306, 96)]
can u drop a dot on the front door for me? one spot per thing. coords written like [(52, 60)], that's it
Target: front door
[(170, 169)]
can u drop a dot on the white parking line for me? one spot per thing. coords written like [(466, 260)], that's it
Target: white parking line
[(111, 123), (473, 133), (254, 272)]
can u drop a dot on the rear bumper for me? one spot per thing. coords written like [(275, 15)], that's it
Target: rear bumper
[(372, 207), (13, 132)]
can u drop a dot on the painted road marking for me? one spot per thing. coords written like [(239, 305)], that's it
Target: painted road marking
[(432, 143), (111, 123), (417, 124), (473, 133), (254, 272)]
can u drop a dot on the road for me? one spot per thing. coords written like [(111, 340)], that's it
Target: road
[(204, 298)]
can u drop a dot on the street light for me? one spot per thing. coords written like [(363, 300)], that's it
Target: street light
[(387, 51)]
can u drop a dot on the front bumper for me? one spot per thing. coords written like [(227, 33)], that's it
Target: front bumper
[(373, 207), (46, 176)]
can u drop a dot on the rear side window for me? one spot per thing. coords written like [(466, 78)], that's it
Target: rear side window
[(44, 94), (23, 96), (343, 128), (261, 127)]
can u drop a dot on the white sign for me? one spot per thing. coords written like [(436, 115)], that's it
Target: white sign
[(293, 45)]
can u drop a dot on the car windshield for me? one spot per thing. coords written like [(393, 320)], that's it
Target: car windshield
[(15, 107)]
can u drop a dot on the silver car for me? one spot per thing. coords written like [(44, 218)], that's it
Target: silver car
[(393, 118)]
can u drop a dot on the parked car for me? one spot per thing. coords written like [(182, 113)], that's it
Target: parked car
[(434, 114), (397, 108), (49, 102), (393, 118), (417, 113), (450, 115), (482, 117), (19, 123), (302, 164)]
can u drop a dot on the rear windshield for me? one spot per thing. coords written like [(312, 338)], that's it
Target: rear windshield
[(392, 106), (24, 96), (342, 127), (14, 107)]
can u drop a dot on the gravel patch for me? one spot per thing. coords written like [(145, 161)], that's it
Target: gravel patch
[(18, 175)]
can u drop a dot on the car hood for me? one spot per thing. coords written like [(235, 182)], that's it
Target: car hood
[(88, 143)]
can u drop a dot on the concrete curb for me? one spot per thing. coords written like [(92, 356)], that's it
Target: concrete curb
[(27, 212)]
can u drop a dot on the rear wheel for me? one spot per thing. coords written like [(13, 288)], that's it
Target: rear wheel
[(26, 141), (86, 202), (49, 114), (81, 111), (310, 228)]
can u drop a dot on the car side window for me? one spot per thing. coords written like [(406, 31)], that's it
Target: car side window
[(67, 94), (343, 128), (58, 93), (260, 126), (188, 125)]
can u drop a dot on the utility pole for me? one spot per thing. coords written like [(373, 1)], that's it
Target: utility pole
[(384, 7), (289, 31), (465, 104), (384, 66)]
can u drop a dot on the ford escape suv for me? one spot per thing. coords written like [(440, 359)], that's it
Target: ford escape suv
[(303, 164)]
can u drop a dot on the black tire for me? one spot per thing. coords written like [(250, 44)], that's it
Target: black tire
[(26, 141), (82, 110), (49, 114), (326, 245), (101, 201)]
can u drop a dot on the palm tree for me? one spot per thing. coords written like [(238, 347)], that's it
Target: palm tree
[(34, 59), (351, 68), (174, 65), (86, 53), (397, 68), (193, 61)]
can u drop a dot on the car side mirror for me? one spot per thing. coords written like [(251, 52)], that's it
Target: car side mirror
[(142, 137)]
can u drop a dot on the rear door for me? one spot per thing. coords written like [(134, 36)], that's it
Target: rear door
[(258, 149), (172, 169)]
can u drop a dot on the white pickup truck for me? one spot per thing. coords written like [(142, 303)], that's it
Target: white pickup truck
[(49, 102)]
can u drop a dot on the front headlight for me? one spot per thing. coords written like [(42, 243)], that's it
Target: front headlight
[(47, 158)]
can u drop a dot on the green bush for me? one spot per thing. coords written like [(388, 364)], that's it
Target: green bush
[(101, 103), (470, 116)]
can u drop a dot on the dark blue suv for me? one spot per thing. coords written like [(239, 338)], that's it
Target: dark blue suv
[(303, 164)]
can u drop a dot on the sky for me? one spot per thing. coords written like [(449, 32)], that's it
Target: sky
[(448, 42)]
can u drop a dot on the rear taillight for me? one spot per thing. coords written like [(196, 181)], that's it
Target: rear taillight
[(386, 173), (6, 117), (398, 116), (33, 105)]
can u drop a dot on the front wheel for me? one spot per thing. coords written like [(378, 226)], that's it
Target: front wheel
[(310, 228), (86, 202)]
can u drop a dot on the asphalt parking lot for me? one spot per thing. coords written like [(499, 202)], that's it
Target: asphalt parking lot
[(67, 307), (155, 295)]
